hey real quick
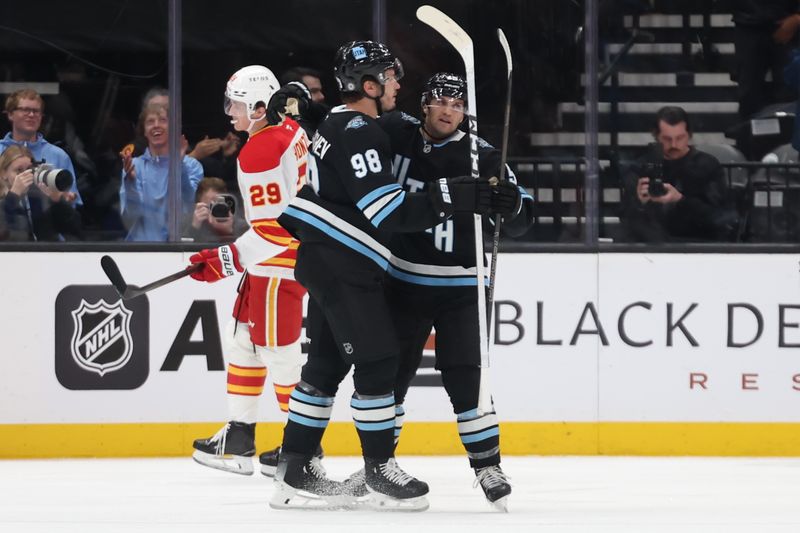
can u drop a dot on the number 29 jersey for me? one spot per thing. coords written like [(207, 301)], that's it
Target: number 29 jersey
[(271, 167)]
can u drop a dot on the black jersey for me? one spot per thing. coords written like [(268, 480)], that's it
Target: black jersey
[(352, 197), (444, 255)]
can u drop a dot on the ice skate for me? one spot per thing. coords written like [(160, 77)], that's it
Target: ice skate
[(495, 486), (231, 449), (392, 489), (269, 460), (355, 486), (301, 483)]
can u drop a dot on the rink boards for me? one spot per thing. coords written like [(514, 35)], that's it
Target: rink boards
[(652, 354)]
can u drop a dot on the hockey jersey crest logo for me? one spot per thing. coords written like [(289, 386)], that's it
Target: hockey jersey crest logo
[(348, 348), (355, 123), (101, 338)]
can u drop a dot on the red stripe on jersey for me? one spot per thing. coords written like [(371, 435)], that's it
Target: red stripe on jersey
[(247, 381), (278, 235)]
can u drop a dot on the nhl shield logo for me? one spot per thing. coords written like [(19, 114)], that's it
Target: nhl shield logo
[(101, 337)]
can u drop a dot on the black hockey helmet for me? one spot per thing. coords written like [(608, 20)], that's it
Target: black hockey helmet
[(444, 84), (358, 60)]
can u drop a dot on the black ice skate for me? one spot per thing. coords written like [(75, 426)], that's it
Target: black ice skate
[(231, 449), (355, 486), (269, 460), (495, 486), (301, 483), (392, 489)]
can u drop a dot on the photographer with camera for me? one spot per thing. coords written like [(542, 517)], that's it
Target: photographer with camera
[(676, 192), (215, 215), (25, 110), (36, 202)]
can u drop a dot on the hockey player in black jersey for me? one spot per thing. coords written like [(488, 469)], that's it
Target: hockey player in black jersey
[(431, 281), (344, 218)]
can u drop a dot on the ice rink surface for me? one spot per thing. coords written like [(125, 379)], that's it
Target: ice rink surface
[(551, 494)]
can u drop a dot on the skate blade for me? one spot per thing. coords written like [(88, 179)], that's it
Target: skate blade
[(268, 470), (500, 504), (286, 497), (235, 464), (381, 502)]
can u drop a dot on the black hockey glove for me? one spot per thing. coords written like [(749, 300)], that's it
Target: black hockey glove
[(292, 99), (506, 198), (462, 194)]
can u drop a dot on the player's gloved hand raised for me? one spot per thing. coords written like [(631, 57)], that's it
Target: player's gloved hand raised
[(463, 194), (217, 263), (506, 198), (292, 99)]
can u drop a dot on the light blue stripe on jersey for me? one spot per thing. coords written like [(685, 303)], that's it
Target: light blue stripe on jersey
[(387, 210), (317, 400), (310, 422), (399, 417), (377, 193), (467, 415), (337, 235), (483, 435), (373, 402), (375, 426), (524, 193), (433, 281)]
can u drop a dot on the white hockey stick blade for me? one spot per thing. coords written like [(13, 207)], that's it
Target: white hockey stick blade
[(507, 49), (450, 30)]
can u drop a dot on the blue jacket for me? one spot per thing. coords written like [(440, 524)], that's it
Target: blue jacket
[(143, 201), (51, 153)]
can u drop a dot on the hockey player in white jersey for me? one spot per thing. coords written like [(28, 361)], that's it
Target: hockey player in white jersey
[(264, 334)]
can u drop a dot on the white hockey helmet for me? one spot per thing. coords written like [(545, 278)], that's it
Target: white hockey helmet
[(251, 85)]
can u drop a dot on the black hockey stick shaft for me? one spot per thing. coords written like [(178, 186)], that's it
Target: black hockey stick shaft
[(126, 292), (498, 220)]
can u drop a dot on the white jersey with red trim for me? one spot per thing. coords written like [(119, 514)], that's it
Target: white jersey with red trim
[(271, 169)]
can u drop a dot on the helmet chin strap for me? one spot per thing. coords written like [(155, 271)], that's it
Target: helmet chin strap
[(251, 126), (377, 99)]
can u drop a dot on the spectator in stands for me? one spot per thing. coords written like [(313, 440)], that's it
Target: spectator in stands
[(202, 225), (143, 196), (310, 78), (317, 108), (24, 109), (764, 36), (214, 154), (33, 211), (218, 157), (676, 192)]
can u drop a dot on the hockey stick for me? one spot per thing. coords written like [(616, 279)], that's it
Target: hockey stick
[(498, 220), (127, 292), (461, 41)]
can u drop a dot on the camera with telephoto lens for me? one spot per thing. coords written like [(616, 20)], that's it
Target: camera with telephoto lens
[(655, 171), (55, 178), (223, 206)]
